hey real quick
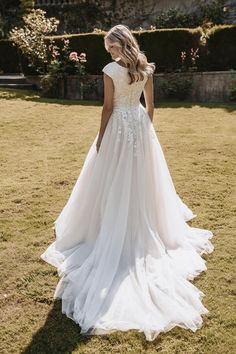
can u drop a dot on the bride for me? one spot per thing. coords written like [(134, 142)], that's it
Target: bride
[(123, 249)]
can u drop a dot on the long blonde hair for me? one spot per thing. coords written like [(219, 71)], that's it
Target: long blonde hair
[(130, 53)]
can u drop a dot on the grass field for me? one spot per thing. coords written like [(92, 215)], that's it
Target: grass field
[(42, 149)]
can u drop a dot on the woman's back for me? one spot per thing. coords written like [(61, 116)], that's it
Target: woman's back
[(125, 95)]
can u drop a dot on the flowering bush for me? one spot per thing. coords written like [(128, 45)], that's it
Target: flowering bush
[(31, 38), (175, 87), (232, 93), (194, 55), (33, 41), (193, 59), (62, 62), (55, 62)]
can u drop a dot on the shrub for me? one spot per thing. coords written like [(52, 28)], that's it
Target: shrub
[(221, 49), (92, 44), (213, 11), (31, 39), (175, 18), (63, 63), (76, 18), (175, 87), (164, 46), (189, 59), (54, 61), (10, 60), (232, 96)]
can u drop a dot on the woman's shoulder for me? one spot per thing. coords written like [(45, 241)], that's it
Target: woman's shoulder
[(109, 65), (110, 69)]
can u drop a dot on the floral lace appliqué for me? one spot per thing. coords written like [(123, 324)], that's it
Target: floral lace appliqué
[(129, 125)]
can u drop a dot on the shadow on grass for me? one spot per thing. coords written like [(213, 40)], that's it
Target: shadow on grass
[(58, 335), (34, 96), (229, 106)]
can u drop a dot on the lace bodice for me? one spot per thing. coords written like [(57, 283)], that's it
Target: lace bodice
[(125, 95), (129, 115)]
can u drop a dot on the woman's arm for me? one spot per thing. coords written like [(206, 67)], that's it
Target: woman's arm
[(107, 106), (149, 97)]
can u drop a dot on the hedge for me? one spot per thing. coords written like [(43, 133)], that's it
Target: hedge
[(164, 46), (221, 48), (161, 46), (9, 58)]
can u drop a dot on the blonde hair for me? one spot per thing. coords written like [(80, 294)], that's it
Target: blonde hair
[(130, 53)]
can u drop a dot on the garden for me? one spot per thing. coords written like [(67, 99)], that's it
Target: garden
[(46, 133), (196, 63)]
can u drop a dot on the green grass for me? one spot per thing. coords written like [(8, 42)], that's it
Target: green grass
[(42, 149)]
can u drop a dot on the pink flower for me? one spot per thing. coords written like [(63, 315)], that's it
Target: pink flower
[(82, 55), (66, 41), (183, 55), (54, 51), (73, 56)]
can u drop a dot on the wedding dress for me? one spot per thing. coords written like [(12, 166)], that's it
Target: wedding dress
[(123, 249)]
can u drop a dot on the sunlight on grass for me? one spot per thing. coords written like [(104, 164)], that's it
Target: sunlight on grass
[(43, 147)]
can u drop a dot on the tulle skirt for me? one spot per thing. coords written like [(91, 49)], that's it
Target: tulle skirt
[(123, 250)]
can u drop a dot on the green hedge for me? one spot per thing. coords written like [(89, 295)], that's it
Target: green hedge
[(161, 46), (9, 58), (92, 45), (165, 45), (221, 49)]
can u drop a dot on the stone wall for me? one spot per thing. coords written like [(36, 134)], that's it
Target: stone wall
[(207, 86), (212, 86)]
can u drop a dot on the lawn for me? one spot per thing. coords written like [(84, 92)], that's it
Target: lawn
[(42, 149)]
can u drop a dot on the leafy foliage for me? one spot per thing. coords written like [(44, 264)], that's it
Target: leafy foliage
[(76, 18), (26, 6), (233, 93), (54, 61), (8, 15), (63, 63), (174, 18), (175, 87), (31, 38)]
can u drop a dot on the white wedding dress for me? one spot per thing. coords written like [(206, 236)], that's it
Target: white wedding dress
[(123, 250)]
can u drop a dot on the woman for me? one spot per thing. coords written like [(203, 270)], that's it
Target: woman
[(123, 248)]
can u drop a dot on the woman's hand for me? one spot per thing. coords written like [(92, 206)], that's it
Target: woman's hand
[(149, 97), (98, 144), (150, 115)]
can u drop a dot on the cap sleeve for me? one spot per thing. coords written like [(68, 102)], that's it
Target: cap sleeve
[(109, 70)]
